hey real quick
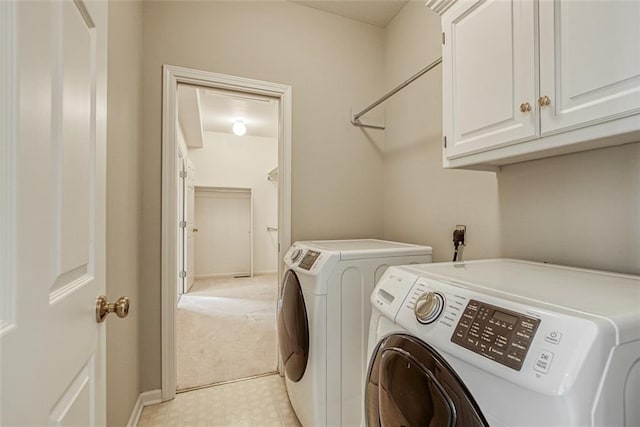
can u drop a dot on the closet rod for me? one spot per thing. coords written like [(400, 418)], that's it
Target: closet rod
[(356, 117)]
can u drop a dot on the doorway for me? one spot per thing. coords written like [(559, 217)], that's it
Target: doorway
[(226, 253), (225, 318)]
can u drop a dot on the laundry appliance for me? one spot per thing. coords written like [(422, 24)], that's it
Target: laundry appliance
[(504, 343), (323, 323)]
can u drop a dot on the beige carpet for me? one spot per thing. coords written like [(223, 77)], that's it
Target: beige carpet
[(226, 330)]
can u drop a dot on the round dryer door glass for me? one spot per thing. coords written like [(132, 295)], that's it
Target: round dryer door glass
[(293, 328), (410, 384)]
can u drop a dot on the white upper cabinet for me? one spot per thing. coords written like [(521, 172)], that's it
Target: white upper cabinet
[(589, 62), (525, 79), (490, 74)]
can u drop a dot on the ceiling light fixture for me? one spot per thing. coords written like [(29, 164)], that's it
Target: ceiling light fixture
[(239, 128)]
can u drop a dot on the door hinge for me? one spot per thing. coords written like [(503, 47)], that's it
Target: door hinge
[(278, 247), (183, 224), (182, 274), (445, 142), (183, 174), (443, 38)]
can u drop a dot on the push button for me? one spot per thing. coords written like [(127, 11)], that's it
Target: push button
[(518, 345), (495, 352), (526, 324), (543, 363), (553, 337)]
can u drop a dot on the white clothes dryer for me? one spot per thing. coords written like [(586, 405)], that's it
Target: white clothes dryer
[(504, 343), (323, 323)]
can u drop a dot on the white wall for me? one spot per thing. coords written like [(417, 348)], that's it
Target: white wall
[(422, 201), (333, 65), (581, 209), (124, 186), (228, 160)]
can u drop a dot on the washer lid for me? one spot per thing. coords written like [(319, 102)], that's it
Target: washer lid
[(369, 248), (615, 297)]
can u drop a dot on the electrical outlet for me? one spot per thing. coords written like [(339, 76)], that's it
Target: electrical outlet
[(461, 229)]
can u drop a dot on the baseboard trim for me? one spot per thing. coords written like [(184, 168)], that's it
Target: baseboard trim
[(218, 275), (145, 399), (223, 275)]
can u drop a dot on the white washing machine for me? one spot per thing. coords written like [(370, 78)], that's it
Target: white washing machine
[(323, 323), (504, 343)]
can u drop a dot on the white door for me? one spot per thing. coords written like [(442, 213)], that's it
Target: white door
[(589, 62), (181, 239), (190, 219), (488, 74), (223, 245), (52, 369)]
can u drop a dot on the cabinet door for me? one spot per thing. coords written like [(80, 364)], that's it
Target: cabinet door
[(589, 62), (489, 71)]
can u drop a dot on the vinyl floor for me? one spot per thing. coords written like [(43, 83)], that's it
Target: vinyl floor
[(260, 402)]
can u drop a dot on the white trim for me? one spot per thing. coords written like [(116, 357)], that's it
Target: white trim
[(173, 75), (144, 399), (223, 275), (9, 100), (251, 234), (219, 275)]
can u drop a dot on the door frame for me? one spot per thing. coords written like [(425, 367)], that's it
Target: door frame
[(172, 76)]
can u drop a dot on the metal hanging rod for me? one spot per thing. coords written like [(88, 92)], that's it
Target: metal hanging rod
[(356, 117)]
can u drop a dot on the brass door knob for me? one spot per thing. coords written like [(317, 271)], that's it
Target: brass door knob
[(543, 101), (103, 308), (525, 106)]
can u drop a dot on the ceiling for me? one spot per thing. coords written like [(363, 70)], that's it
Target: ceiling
[(215, 110), (378, 13)]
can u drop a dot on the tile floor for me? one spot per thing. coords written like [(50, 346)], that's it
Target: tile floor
[(255, 402)]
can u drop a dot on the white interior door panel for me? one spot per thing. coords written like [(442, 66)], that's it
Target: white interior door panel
[(223, 242), (190, 218), (54, 134)]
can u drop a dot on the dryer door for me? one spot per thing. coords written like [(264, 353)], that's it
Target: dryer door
[(293, 328), (410, 384)]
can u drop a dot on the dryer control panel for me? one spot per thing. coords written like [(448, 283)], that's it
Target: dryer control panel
[(309, 259), (496, 333)]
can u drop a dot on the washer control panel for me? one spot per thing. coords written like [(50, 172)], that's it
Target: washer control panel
[(496, 333), (309, 259)]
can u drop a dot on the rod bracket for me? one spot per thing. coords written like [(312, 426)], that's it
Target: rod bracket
[(356, 122)]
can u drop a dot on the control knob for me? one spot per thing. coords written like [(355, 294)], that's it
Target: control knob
[(428, 307), (296, 254)]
